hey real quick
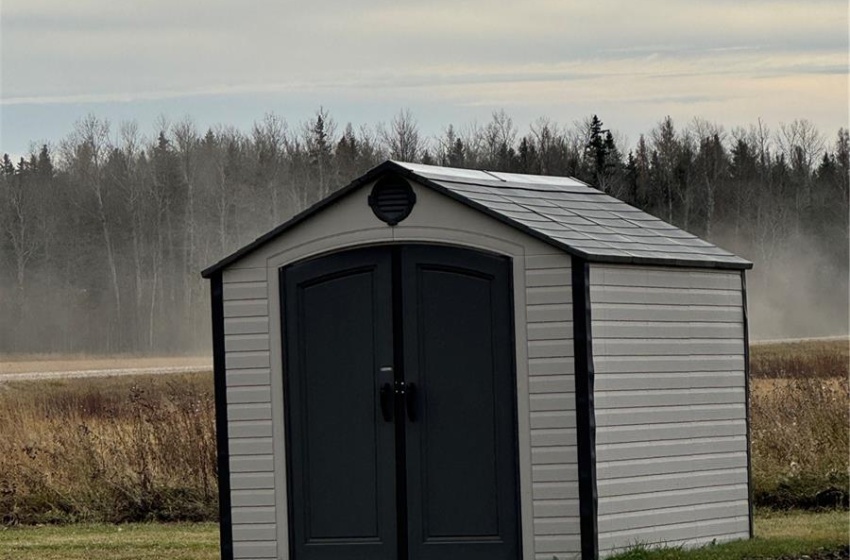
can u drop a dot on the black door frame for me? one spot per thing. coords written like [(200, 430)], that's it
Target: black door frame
[(398, 377)]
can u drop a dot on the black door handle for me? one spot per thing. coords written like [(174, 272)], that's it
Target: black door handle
[(386, 395), (410, 395)]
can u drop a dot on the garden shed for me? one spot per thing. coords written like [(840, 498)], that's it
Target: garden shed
[(448, 364)]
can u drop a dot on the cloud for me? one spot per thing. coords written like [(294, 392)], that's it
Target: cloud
[(96, 46), (691, 73), (726, 59)]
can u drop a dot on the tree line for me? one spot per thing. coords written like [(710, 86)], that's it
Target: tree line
[(103, 234)]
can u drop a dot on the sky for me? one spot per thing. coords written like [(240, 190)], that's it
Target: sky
[(730, 62)]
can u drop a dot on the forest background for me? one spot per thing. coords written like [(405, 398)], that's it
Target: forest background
[(103, 233)]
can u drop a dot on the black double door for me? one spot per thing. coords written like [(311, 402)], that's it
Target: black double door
[(399, 391)]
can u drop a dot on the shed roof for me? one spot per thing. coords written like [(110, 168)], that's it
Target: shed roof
[(561, 211)]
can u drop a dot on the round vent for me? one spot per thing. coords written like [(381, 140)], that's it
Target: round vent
[(392, 199)]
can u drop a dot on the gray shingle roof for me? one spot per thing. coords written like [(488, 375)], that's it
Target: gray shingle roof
[(579, 218), (562, 211)]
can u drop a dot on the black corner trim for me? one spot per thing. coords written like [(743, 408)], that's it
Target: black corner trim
[(747, 389), (223, 452), (284, 306), (585, 414)]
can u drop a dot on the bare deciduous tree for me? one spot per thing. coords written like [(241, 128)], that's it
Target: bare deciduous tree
[(401, 137), (88, 147)]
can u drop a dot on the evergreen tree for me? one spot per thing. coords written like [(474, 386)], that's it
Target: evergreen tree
[(595, 148), (318, 141), (44, 164)]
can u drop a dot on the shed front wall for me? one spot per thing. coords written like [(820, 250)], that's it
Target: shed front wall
[(670, 405), (544, 366)]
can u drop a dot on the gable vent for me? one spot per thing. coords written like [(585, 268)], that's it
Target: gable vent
[(392, 199)]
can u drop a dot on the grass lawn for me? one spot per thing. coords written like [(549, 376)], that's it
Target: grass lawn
[(136, 541), (778, 534)]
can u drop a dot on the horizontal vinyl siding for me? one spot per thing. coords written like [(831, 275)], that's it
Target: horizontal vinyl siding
[(676, 515), (249, 413), (697, 532), (615, 472), (661, 313), (552, 405), (670, 406), (245, 500)]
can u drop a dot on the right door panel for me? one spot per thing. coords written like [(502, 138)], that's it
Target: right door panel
[(461, 442)]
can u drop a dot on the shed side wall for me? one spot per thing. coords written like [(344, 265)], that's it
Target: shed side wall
[(249, 413), (671, 444), (551, 383), (544, 363)]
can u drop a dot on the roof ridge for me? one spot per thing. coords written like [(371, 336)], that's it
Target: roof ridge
[(505, 185), (493, 174)]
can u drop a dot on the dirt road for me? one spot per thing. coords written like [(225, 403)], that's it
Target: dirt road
[(809, 339), (35, 368)]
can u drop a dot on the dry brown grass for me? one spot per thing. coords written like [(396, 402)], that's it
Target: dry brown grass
[(766, 387), (120, 449), (143, 447), (800, 419), (805, 359)]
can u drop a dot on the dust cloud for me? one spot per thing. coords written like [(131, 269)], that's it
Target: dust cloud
[(797, 289)]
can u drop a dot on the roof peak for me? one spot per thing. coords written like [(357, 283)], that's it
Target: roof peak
[(562, 211)]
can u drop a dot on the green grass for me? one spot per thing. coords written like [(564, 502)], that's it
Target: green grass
[(778, 534), (138, 541)]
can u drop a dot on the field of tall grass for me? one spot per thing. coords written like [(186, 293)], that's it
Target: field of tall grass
[(138, 448), (142, 448), (800, 419)]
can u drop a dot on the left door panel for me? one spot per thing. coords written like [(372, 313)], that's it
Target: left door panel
[(341, 461)]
